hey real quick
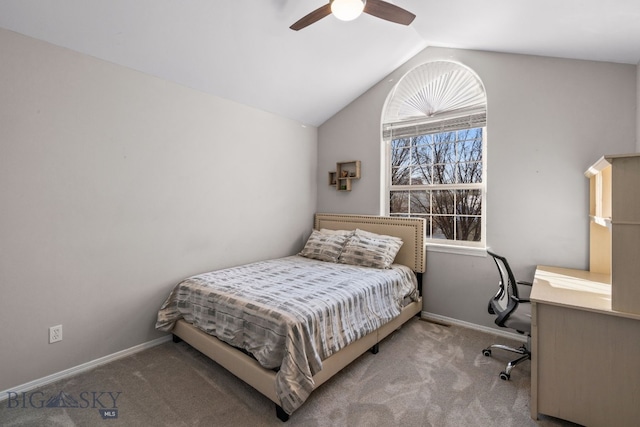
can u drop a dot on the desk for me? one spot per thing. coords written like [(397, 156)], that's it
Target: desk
[(585, 356)]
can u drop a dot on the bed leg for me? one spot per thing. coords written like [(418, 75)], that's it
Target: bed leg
[(282, 416), (375, 349), (176, 339)]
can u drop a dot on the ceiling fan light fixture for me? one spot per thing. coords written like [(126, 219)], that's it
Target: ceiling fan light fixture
[(347, 10)]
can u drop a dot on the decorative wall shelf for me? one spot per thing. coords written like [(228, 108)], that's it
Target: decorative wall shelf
[(344, 173)]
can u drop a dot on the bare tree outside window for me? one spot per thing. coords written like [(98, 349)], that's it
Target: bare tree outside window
[(438, 176)]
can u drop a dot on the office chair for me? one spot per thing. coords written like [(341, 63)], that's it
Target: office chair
[(511, 312)]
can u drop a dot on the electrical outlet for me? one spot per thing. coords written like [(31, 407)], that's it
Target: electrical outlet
[(55, 334)]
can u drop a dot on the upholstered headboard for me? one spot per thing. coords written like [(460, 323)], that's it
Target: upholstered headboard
[(410, 230)]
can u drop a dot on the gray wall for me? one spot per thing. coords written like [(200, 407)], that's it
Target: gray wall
[(114, 186), (548, 120)]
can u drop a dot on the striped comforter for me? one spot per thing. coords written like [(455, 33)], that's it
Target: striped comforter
[(290, 313)]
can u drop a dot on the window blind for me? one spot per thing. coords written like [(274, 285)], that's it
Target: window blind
[(406, 130), (438, 96)]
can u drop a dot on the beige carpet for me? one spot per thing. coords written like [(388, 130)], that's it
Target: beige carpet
[(424, 375)]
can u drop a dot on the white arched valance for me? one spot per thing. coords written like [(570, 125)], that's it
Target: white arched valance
[(435, 97)]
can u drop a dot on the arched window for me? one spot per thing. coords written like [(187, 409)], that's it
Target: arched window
[(434, 131)]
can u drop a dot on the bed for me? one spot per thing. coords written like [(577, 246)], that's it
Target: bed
[(302, 347)]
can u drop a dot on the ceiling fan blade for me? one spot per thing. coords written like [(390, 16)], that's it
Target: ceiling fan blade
[(314, 16), (389, 12)]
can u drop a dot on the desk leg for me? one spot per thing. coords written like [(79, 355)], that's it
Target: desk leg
[(534, 360)]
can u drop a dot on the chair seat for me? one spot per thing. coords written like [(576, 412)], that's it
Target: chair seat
[(520, 318)]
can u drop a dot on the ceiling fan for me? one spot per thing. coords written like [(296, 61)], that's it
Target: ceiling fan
[(347, 10)]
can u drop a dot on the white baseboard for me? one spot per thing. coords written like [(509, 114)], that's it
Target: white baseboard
[(451, 321), (135, 349), (84, 367)]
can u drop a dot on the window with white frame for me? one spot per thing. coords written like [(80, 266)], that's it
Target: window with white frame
[(434, 131)]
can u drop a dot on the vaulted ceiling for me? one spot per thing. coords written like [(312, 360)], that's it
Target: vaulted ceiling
[(243, 50)]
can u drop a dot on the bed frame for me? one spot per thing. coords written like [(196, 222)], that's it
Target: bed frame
[(412, 254)]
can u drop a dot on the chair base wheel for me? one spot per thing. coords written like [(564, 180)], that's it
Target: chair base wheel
[(504, 376), (486, 352)]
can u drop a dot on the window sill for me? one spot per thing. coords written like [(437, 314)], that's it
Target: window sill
[(458, 250)]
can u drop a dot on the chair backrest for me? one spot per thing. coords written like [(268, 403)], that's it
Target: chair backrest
[(505, 300)]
